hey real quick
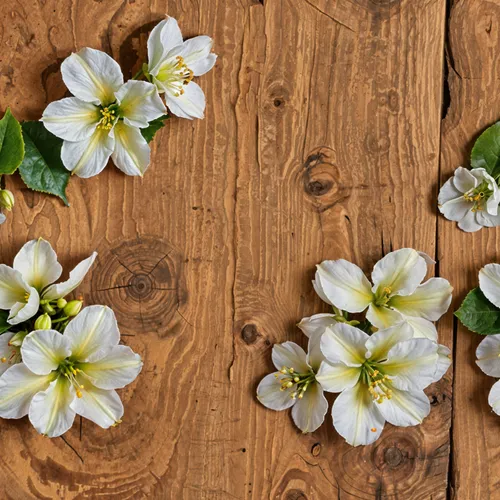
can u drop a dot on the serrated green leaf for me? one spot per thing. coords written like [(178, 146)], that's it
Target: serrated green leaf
[(149, 132), (486, 151), (4, 326), (478, 314), (42, 168), (11, 144)]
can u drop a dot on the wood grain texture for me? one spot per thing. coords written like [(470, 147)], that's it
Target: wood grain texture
[(321, 140)]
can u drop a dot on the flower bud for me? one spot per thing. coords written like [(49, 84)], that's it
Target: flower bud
[(48, 309), (43, 322), (17, 339), (73, 307), (61, 303), (6, 199)]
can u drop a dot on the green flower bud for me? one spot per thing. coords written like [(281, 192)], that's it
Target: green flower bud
[(17, 339), (6, 199), (73, 307), (43, 322), (61, 303), (48, 309)]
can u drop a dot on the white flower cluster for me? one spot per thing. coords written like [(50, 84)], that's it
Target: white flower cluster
[(57, 359), (105, 116), (380, 377)]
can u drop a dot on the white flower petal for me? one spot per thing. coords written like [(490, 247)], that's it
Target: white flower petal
[(464, 180), (132, 153), (449, 192), (400, 271), (92, 76), (314, 356), (412, 364), (6, 351), (381, 342), (488, 355), (344, 343), (196, 53), (444, 362), (456, 209), (22, 311), (95, 327), (430, 300), (405, 408), (50, 412), (336, 377), (489, 283), (383, 317), (139, 103), (189, 105), (422, 328), (71, 119), (291, 355), (18, 385), (309, 412), (316, 323), (12, 287), (165, 36), (344, 284), (319, 291), (356, 417), (493, 397), (37, 262), (89, 157), (269, 393), (104, 408), (469, 223), (76, 276), (114, 368), (43, 350), (485, 219)]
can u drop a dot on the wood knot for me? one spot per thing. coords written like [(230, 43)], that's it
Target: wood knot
[(316, 449), (295, 494), (249, 334), (141, 280), (393, 457)]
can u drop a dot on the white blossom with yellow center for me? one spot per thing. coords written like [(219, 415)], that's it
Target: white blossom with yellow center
[(104, 117), (380, 377), (77, 372), (172, 65), (30, 280)]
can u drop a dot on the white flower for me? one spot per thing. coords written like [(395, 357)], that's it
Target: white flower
[(172, 65), (72, 373), (470, 197), (488, 359), (316, 324), (489, 283), (294, 384), (381, 378), (31, 279), (105, 116), (396, 295)]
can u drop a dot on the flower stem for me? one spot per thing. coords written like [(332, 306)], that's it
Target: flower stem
[(138, 75)]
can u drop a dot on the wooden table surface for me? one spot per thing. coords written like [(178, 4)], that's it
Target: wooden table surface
[(330, 126)]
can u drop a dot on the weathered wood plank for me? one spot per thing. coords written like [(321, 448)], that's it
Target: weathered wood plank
[(474, 85)]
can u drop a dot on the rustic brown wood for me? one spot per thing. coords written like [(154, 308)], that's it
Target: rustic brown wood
[(321, 140)]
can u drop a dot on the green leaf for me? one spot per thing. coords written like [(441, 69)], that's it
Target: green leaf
[(42, 168), (478, 314), (11, 144), (154, 126), (486, 151), (4, 326)]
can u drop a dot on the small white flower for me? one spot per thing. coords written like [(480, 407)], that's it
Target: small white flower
[(470, 197), (72, 373), (295, 385), (316, 324), (31, 279), (397, 293), (172, 65), (381, 378), (488, 359), (104, 118)]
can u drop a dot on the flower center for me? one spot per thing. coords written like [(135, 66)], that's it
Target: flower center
[(478, 196), (70, 370), (108, 116), (383, 296), (378, 383), (15, 355), (175, 74), (294, 381)]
